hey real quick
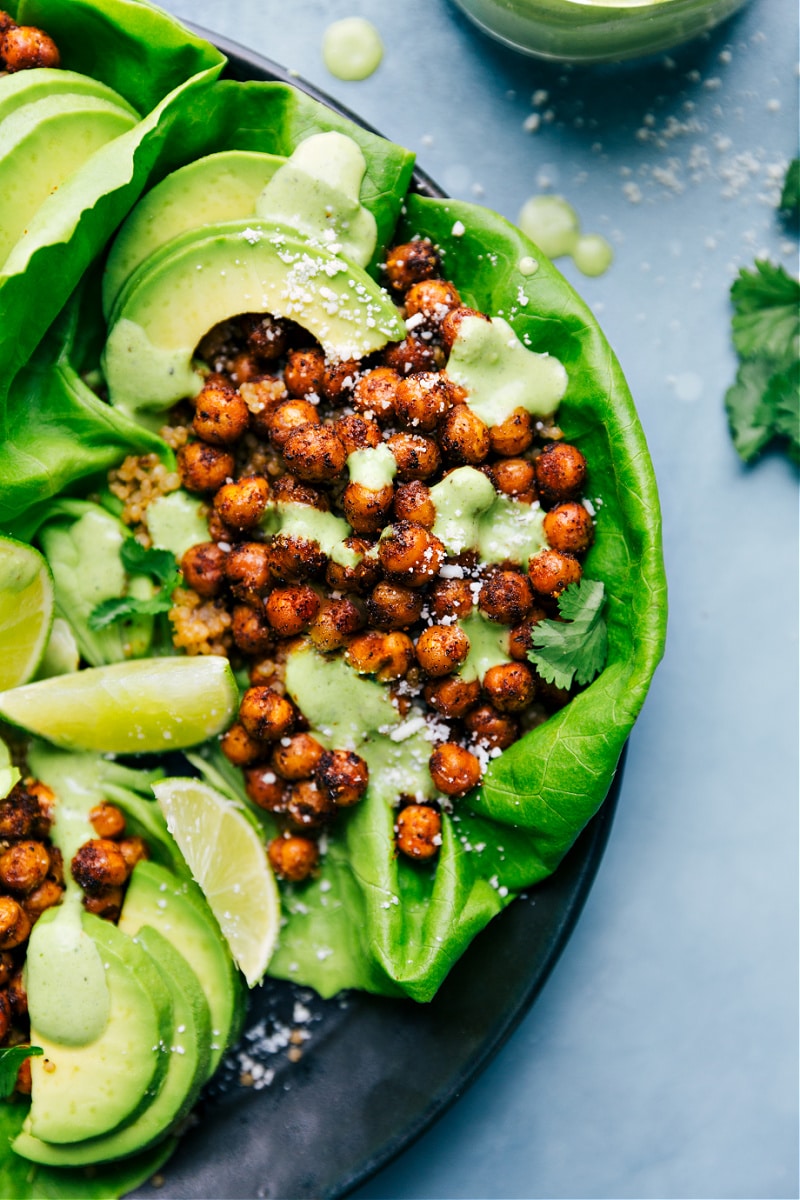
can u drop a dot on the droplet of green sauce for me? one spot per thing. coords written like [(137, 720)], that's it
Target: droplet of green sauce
[(550, 222), (593, 254), (352, 48)]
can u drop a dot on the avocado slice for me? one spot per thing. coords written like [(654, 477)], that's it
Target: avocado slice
[(39, 82), (178, 910), (41, 145), (84, 1091), (187, 1071), (223, 270), (219, 187)]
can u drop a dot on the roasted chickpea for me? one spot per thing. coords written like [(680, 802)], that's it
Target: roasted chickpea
[(107, 903), (24, 866), (47, 895), (560, 472), (340, 379), (308, 807), (568, 527), (359, 578), (452, 598), (244, 367), (134, 850), (512, 436), (294, 558), (391, 606), (290, 610), (262, 396), (453, 697), (343, 776), (14, 924), (99, 864), (421, 400), (357, 433), (24, 1082), (18, 997), (5, 1016), (21, 814), (417, 457), (267, 336), (492, 728), (514, 477), (203, 468), (297, 757), (24, 46), (441, 649), (550, 572), (454, 770), (107, 820), (433, 298), (413, 354), (203, 568), (506, 597), (314, 453), (410, 263), (366, 508), (410, 554), (519, 638), (287, 418), (265, 714), (335, 624), (463, 436), (412, 502), (375, 392), (304, 373), (419, 831), (266, 789), (387, 656), (239, 747), (291, 491), (242, 504), (247, 570), (7, 967), (510, 686), (56, 871), (6, 21), (452, 323), (293, 858), (221, 416), (251, 630)]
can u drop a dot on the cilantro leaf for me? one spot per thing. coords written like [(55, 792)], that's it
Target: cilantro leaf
[(11, 1059), (748, 416), (790, 196), (139, 560), (572, 650), (766, 321), (782, 400), (119, 608)]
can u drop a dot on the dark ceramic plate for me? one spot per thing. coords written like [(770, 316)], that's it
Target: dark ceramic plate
[(374, 1073)]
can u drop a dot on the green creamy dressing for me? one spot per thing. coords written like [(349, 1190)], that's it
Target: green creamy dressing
[(553, 224), (374, 467), (500, 374), (471, 515), (352, 48), (305, 521), (317, 193), (177, 521), (488, 646), (350, 712)]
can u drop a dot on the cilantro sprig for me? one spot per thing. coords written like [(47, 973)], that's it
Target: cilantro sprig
[(574, 649), (11, 1059), (137, 559)]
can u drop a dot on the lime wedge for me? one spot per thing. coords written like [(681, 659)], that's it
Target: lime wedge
[(229, 862), (26, 611), (136, 707)]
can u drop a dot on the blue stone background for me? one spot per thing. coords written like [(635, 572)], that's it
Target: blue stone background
[(661, 1058)]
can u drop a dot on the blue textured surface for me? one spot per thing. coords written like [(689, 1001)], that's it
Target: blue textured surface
[(661, 1059)]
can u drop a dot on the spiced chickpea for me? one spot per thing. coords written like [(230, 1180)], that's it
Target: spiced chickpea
[(411, 262), (221, 416), (107, 820), (375, 392), (433, 298), (506, 597), (343, 776), (203, 468), (410, 554), (308, 806), (412, 502), (7, 967), (239, 747), (21, 814), (419, 831), (391, 606), (251, 630), (293, 858), (56, 871), (453, 697), (514, 477), (413, 354), (550, 571), (421, 400), (106, 903), (15, 925), (24, 1081), (339, 380), (262, 396), (267, 336), (293, 558), (357, 433), (99, 864), (304, 373), (454, 770), (24, 866), (290, 610), (297, 757), (290, 490), (441, 649), (23, 47), (387, 656), (288, 417), (5, 1016), (520, 642), (463, 436), (203, 567), (134, 850), (417, 457), (242, 504), (336, 623), (315, 454), (219, 532), (510, 687), (512, 436), (18, 996), (266, 789), (366, 508), (492, 728), (560, 472), (359, 578), (568, 527), (265, 714), (451, 598), (244, 368), (452, 322), (247, 570), (47, 895)]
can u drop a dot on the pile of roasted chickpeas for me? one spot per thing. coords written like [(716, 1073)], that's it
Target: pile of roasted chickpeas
[(393, 614)]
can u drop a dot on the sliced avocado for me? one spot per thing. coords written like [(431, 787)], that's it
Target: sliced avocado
[(35, 84), (219, 187), (41, 145), (84, 1091), (237, 267), (178, 910), (188, 1069)]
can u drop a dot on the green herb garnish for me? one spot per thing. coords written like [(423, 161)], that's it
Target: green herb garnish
[(11, 1059), (137, 559), (790, 196), (572, 650)]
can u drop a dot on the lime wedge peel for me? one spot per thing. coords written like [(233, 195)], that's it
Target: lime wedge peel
[(146, 705), (26, 611), (228, 861)]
